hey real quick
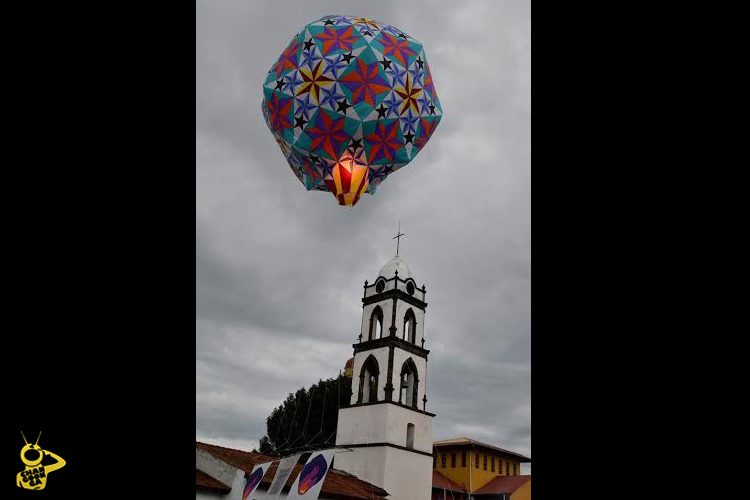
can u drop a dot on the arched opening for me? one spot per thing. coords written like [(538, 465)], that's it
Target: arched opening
[(368, 381), (376, 324), (410, 436), (410, 326), (409, 384)]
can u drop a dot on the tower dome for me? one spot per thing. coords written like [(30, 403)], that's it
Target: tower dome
[(388, 271)]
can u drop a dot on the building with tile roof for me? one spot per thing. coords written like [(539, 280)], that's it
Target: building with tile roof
[(478, 469), (220, 474)]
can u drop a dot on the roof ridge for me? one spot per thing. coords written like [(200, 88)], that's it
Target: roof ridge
[(457, 440), (225, 447)]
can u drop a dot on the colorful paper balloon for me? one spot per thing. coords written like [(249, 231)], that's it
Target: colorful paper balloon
[(350, 101)]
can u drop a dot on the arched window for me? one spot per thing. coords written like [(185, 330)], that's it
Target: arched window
[(376, 324), (409, 384), (410, 436), (368, 381), (410, 326)]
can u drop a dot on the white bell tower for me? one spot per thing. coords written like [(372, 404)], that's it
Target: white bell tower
[(386, 425)]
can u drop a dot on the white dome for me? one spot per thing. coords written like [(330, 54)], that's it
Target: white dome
[(395, 264)]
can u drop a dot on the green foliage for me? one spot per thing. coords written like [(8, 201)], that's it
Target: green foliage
[(307, 419)]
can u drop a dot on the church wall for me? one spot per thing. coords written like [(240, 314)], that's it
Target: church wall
[(408, 475), (383, 423), (396, 420), (367, 464), (381, 355)]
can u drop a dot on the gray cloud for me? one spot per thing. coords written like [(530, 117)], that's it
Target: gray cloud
[(279, 271)]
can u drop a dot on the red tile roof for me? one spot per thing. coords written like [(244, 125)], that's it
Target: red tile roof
[(464, 441), (337, 484), (206, 482), (445, 483), (503, 484), (244, 460)]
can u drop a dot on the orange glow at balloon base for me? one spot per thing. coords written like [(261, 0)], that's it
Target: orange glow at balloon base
[(348, 178)]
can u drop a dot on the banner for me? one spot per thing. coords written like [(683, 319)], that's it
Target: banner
[(311, 477), (285, 468), (252, 480)]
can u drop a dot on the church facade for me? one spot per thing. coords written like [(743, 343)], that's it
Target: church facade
[(387, 427)]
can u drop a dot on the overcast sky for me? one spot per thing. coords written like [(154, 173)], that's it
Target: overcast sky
[(280, 270)]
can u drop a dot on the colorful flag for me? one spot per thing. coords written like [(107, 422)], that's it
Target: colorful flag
[(285, 468), (311, 477), (252, 480)]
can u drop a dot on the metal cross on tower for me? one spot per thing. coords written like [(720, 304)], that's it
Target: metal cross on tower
[(398, 237)]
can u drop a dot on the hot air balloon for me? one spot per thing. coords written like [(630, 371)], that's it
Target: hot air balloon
[(350, 101)]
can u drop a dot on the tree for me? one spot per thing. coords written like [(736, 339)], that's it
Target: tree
[(307, 419)]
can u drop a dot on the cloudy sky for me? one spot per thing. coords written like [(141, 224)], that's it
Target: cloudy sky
[(279, 270)]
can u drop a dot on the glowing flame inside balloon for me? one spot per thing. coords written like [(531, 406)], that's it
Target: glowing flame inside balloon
[(349, 178)]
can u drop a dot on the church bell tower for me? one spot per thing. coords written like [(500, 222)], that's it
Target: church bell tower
[(387, 426)]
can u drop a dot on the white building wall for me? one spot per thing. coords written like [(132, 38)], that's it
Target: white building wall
[(404, 475), (367, 464), (408, 475), (383, 423), (381, 355)]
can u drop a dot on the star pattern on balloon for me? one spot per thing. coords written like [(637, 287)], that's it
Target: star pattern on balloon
[(313, 81), (279, 108), (336, 39), (384, 141), (350, 101), (328, 133), (395, 47), (409, 94), (365, 82), (288, 59)]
